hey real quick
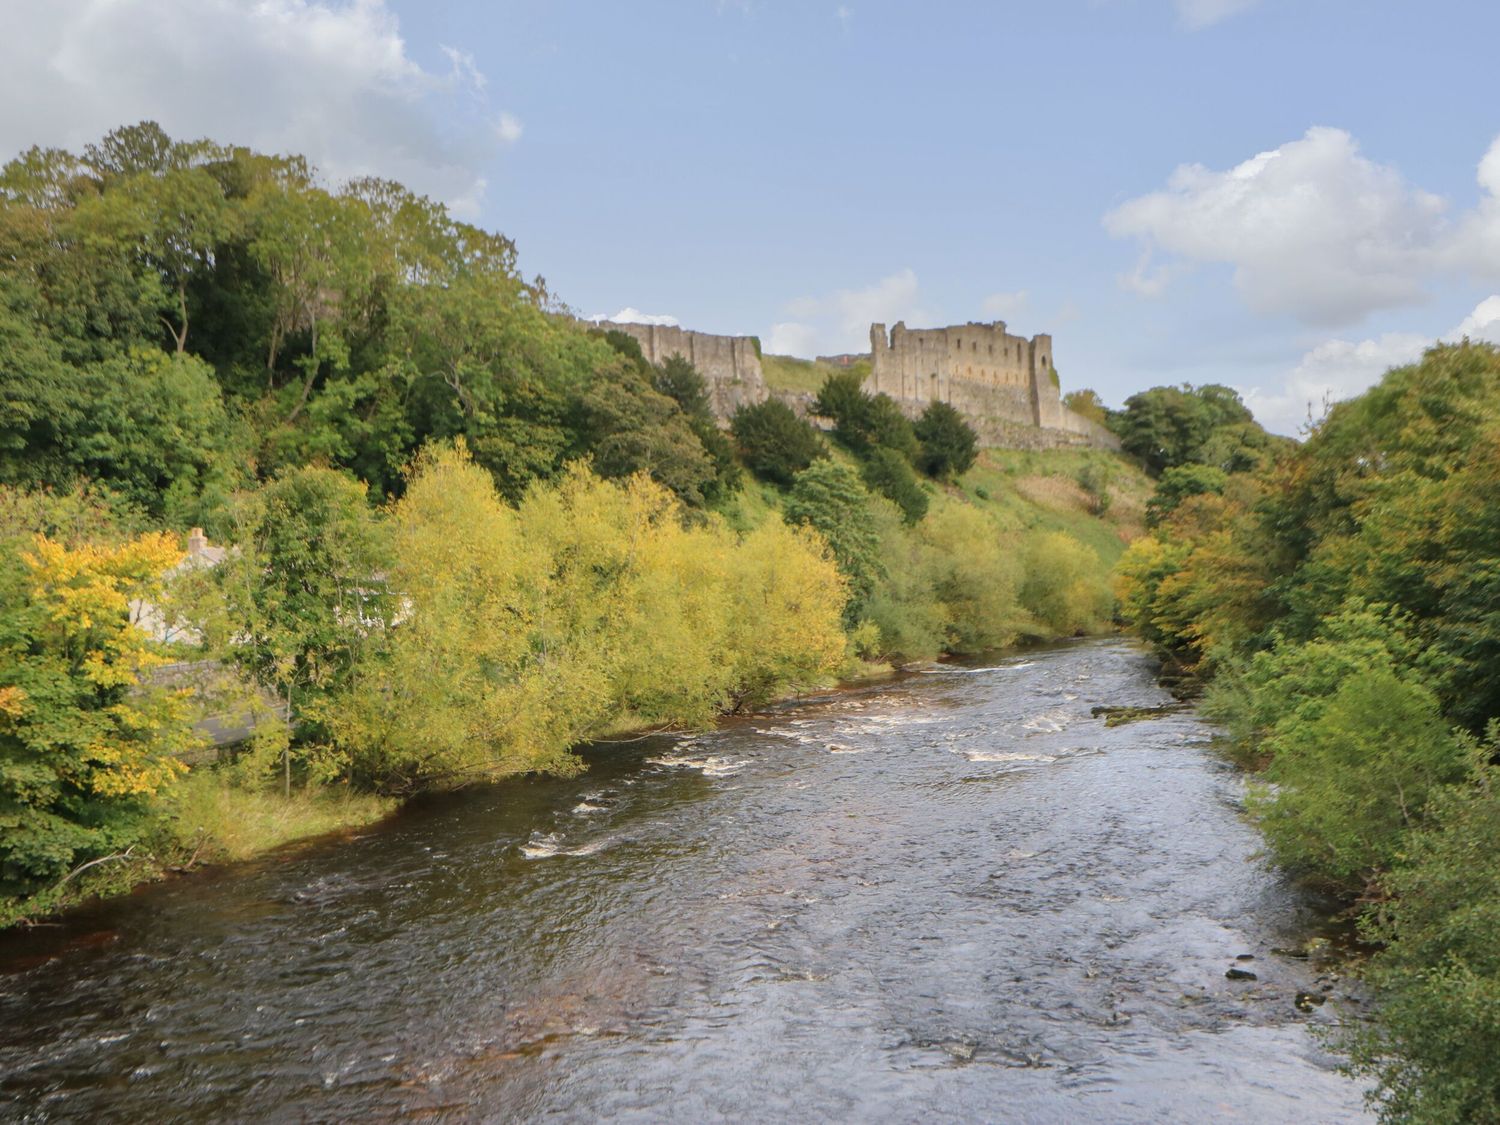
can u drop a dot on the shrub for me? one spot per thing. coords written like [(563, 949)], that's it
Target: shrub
[(1432, 1051), (1353, 780), (1067, 586)]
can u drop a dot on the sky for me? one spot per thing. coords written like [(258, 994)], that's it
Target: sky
[(1285, 196)]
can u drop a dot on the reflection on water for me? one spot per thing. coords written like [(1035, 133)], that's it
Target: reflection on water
[(956, 896)]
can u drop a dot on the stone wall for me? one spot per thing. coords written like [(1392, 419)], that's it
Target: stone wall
[(730, 364), (1000, 381)]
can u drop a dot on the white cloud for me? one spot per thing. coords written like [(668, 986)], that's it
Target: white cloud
[(1334, 370), (1340, 369), (629, 315), (334, 82), (1003, 306), (508, 129), (1202, 13), (840, 321), (790, 338), (1475, 247), (1481, 324), (1312, 229)]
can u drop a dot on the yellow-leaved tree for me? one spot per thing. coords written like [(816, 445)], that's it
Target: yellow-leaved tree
[(85, 736), (521, 632)]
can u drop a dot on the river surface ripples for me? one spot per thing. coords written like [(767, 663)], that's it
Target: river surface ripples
[(955, 896)]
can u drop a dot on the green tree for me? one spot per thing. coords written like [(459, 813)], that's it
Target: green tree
[(890, 474), (949, 444), (305, 586), (1354, 779), (1179, 482), (1168, 426), (775, 443), (1432, 1050), (628, 427), (828, 497), (863, 421), (680, 381)]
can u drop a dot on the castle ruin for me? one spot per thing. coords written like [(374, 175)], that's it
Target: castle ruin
[(729, 364), (1005, 385)]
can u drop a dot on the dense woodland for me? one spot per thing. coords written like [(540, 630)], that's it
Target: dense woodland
[(1342, 599), (465, 532)]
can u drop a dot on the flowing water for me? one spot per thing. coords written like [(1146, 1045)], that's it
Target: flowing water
[(956, 896)]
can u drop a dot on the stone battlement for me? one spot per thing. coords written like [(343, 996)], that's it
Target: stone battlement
[(1002, 383), (729, 364)]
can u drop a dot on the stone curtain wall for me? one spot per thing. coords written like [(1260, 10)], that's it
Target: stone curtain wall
[(1002, 382), (730, 364)]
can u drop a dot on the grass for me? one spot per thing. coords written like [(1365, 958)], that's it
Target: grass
[(205, 819), (788, 373), (1039, 489), (222, 822)]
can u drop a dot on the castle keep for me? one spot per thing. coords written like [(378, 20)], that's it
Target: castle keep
[(1003, 384)]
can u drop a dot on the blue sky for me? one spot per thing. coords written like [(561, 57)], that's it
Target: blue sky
[(1089, 168)]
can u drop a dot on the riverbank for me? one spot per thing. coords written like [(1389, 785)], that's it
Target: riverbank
[(210, 821)]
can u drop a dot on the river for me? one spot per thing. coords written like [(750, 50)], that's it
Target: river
[(953, 896)]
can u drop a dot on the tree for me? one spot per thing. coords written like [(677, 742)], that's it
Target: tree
[(828, 497), (86, 735), (891, 475), (863, 421), (1168, 426), (628, 428), (1432, 1050), (1178, 483), (1086, 403), (305, 586), (776, 444), (680, 381), (949, 444)]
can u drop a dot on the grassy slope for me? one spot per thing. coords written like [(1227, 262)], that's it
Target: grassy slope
[(1035, 490), (788, 373), (1040, 490)]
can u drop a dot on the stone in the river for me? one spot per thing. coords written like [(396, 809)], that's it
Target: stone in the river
[(1240, 974), (1307, 1001)]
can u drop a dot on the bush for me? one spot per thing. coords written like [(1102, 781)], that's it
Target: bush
[(594, 605), (1432, 1051), (1352, 781), (85, 737), (775, 443), (1067, 586)]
